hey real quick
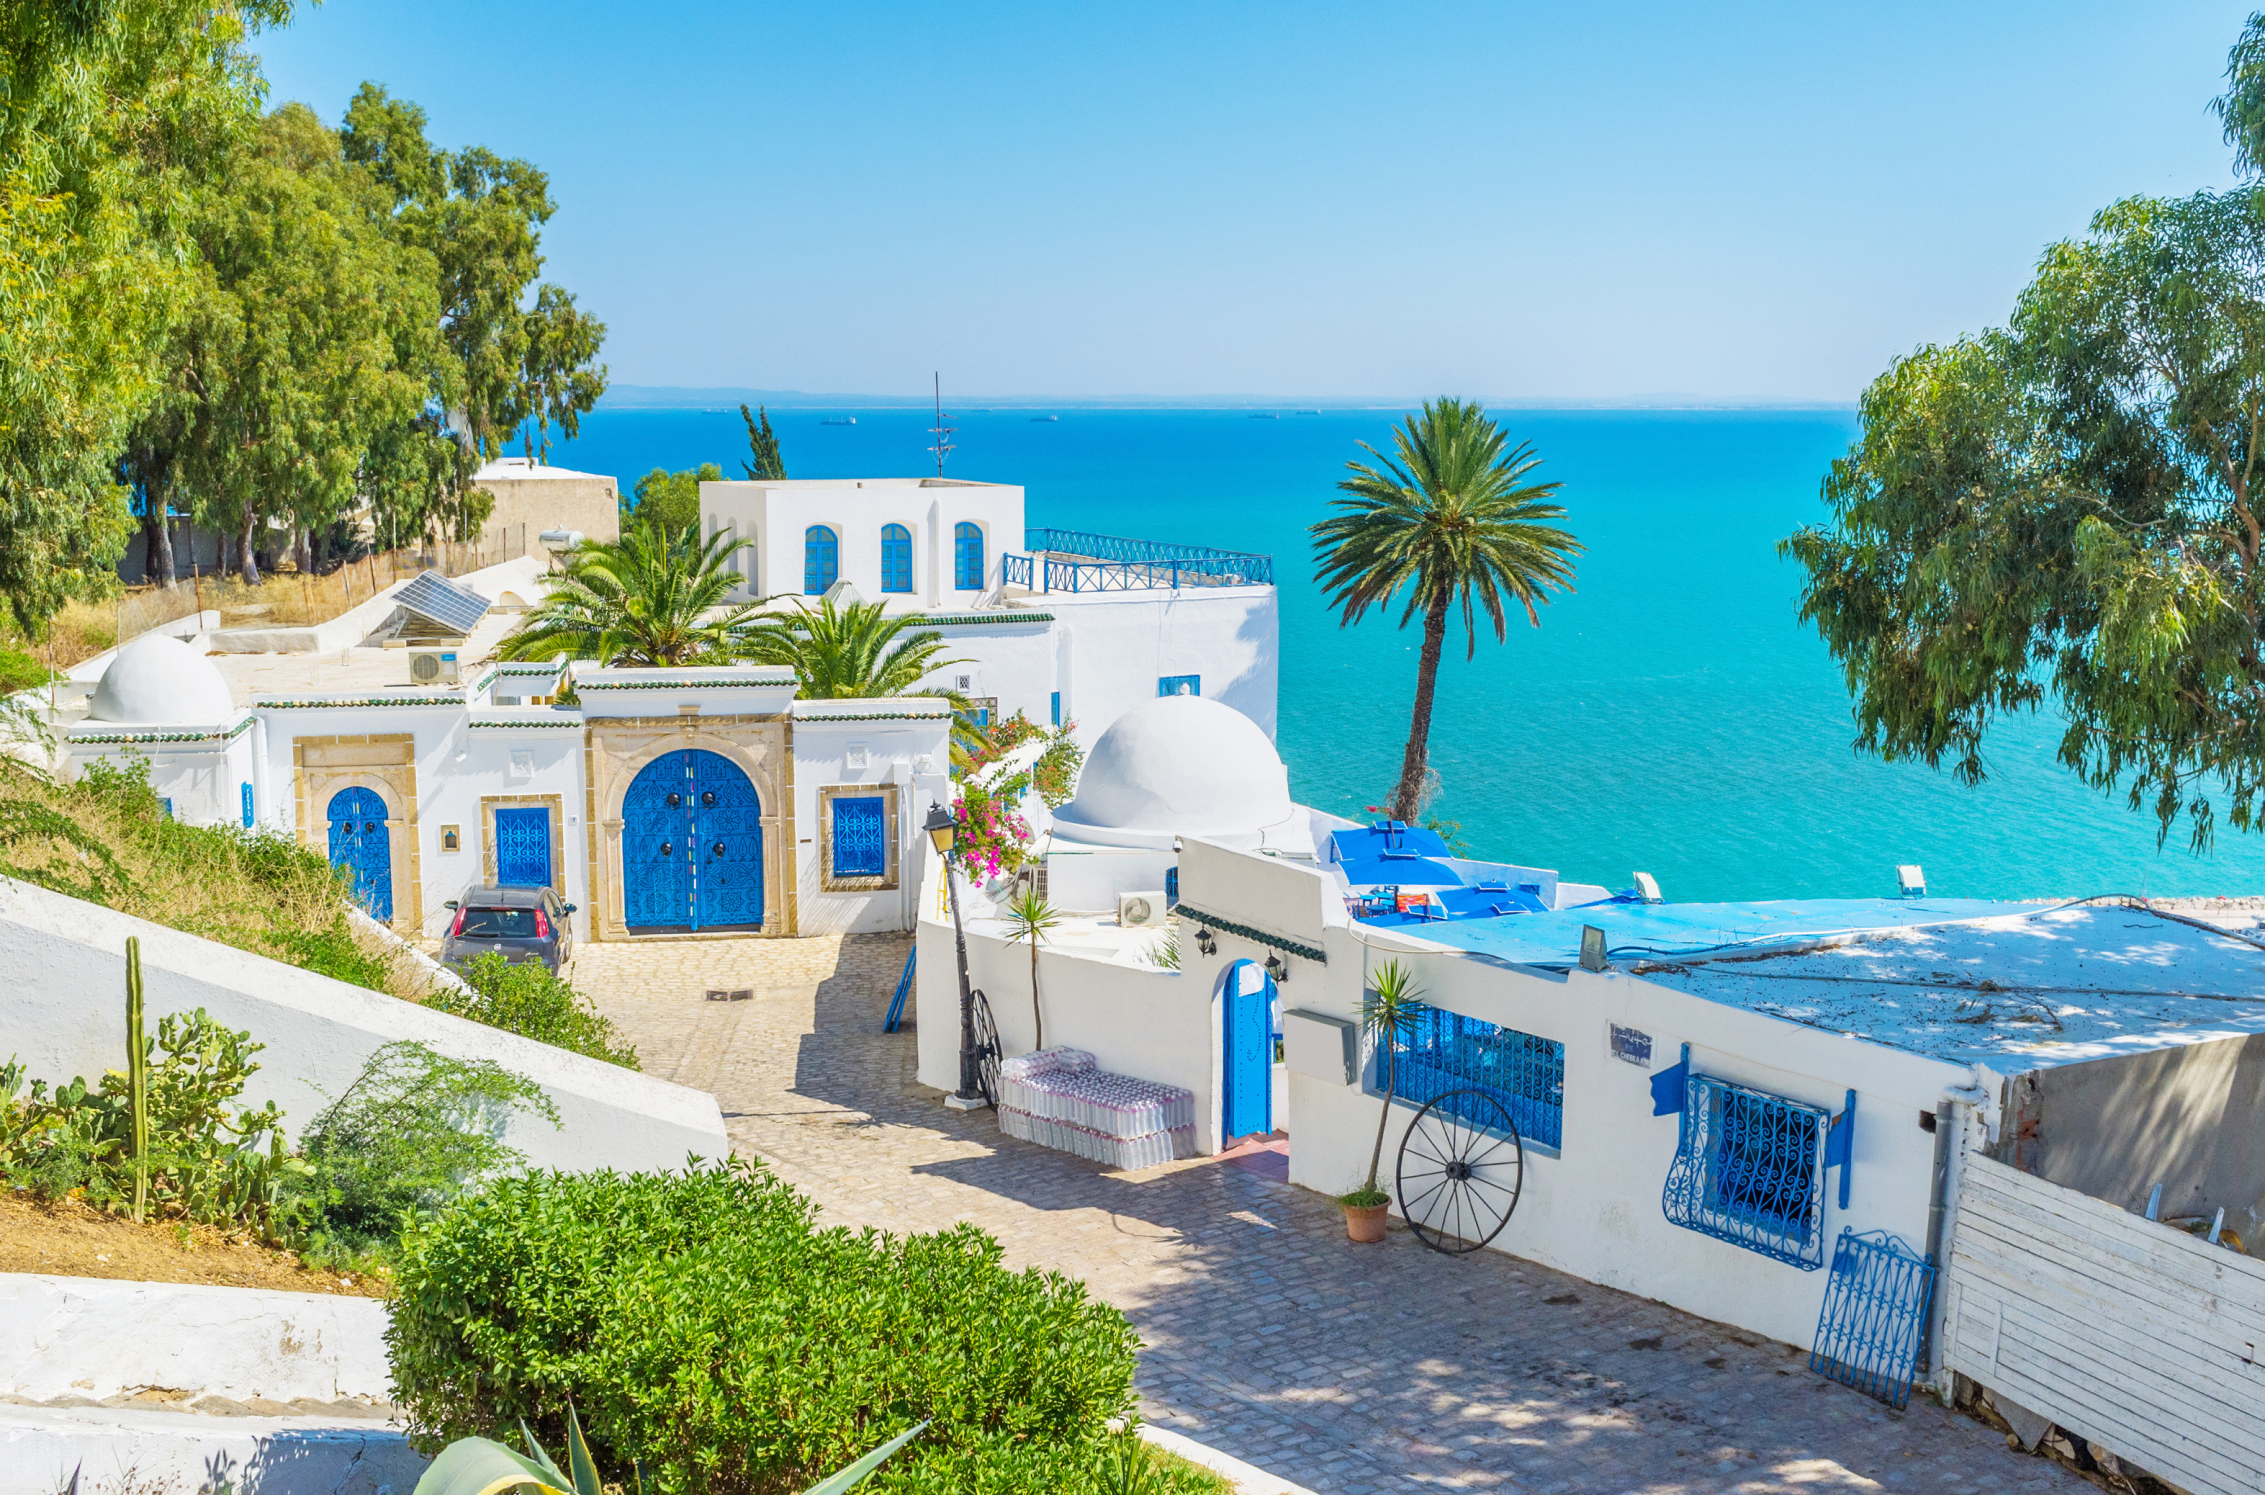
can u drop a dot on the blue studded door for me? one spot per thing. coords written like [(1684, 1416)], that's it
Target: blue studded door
[(691, 845), (523, 848), (360, 843), (1247, 1042)]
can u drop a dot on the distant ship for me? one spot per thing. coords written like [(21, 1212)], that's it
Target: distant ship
[(1265, 415), (839, 420), (1037, 418)]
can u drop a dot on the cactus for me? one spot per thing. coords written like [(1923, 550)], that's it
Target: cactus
[(137, 1075)]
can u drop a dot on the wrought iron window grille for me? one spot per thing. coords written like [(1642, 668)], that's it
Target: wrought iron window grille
[(1446, 1052), (1874, 1320), (1749, 1169)]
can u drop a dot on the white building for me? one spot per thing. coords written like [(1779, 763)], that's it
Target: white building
[(1059, 626)]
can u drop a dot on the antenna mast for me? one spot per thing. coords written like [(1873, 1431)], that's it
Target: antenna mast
[(942, 432)]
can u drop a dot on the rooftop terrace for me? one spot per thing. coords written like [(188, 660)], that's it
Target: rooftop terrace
[(1062, 560)]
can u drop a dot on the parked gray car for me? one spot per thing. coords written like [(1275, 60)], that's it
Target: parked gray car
[(515, 923)]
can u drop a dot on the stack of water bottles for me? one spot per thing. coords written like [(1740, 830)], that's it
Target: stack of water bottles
[(1061, 1098)]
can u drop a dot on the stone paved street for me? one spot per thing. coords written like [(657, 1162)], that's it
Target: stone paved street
[(1347, 1369)]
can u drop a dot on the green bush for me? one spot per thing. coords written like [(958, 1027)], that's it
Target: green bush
[(524, 997), (710, 1334), (19, 671)]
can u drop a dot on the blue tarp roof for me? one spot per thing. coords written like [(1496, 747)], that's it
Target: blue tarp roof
[(1486, 901), (1390, 853), (1388, 835), (1653, 930)]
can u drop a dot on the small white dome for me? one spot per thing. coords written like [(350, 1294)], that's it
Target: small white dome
[(1178, 766), (159, 679)]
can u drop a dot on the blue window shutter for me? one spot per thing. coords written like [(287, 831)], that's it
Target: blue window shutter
[(247, 798), (167, 804), (896, 558), (821, 559), (967, 557), (860, 836), (1057, 708)]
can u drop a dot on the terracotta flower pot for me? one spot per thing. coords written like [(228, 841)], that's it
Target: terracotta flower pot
[(1365, 1222)]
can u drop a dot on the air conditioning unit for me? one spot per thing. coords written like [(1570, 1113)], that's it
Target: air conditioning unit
[(432, 666), (1141, 910)]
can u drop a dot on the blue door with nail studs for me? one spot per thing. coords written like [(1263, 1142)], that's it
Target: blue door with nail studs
[(360, 843), (523, 848), (1247, 1039), (691, 845)]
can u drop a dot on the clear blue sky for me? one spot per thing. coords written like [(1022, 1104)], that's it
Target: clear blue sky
[(1531, 200)]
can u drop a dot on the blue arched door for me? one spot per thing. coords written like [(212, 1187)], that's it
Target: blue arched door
[(1247, 1045), (691, 845), (360, 843)]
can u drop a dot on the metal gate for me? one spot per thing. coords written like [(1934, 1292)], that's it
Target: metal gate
[(692, 845), (523, 848), (360, 843), (1247, 1036)]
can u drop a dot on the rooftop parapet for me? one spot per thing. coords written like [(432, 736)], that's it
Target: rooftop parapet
[(1062, 560)]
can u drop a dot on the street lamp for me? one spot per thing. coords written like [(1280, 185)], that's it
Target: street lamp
[(942, 829)]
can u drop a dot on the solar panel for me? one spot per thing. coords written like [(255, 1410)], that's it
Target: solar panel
[(434, 597)]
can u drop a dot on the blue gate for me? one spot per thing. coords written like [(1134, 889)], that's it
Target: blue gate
[(1247, 1023), (523, 848), (360, 843), (691, 845)]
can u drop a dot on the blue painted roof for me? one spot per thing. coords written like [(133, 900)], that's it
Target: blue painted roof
[(1652, 930)]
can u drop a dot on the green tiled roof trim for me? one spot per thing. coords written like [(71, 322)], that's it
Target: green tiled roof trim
[(954, 620), (571, 721), (682, 684), (106, 737), (1278, 942), (368, 701), (874, 716)]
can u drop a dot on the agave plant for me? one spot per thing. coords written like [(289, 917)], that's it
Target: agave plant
[(482, 1466)]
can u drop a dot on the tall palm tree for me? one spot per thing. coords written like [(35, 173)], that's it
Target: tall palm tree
[(650, 598), (1451, 519), (859, 652)]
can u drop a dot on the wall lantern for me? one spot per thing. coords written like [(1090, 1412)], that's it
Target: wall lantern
[(941, 828), (1278, 968), (1205, 943)]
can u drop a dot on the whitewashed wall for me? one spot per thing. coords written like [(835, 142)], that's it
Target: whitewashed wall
[(63, 1013), (775, 516), (893, 747), (1594, 1210), (1122, 643)]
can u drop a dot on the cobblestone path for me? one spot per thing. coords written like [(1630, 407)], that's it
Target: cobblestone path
[(1346, 1369)]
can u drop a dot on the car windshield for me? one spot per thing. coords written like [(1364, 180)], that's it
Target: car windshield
[(498, 924)]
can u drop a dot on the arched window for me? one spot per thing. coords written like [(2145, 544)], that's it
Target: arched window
[(821, 559), (967, 558), (896, 558)]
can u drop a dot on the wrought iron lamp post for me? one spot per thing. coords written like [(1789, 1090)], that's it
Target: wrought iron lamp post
[(941, 829)]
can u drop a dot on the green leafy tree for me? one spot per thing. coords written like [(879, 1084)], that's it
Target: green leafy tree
[(670, 500), (112, 117), (1454, 521), (762, 447), (650, 598), (2067, 509)]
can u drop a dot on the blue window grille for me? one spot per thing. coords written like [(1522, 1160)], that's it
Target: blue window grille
[(967, 557), (1446, 1051), (1180, 685), (245, 793), (1749, 1169), (821, 559), (896, 558), (1875, 1315), (1057, 708), (861, 843)]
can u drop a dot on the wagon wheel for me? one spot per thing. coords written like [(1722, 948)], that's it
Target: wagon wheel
[(987, 1051), (1461, 1166)]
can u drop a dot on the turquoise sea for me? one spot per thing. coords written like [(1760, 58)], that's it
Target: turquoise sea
[(1670, 716)]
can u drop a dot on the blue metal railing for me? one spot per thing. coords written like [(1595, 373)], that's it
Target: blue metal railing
[(895, 1019), (1015, 571), (1446, 1051), (1749, 1169), (1079, 561), (1875, 1316)]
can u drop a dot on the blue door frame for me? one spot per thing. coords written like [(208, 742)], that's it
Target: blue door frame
[(523, 847), (691, 845), (360, 843), (1246, 1024)]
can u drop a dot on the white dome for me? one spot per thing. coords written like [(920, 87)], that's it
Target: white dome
[(1178, 766), (157, 678)]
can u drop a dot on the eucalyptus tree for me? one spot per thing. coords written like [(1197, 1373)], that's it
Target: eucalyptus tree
[(1452, 520), (2066, 511), (654, 597), (112, 117)]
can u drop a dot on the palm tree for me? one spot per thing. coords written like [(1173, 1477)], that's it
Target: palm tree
[(645, 599), (1030, 919), (859, 652), (1453, 519), (1390, 1009)]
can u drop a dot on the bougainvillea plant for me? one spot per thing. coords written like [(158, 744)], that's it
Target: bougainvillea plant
[(992, 839), (1054, 774)]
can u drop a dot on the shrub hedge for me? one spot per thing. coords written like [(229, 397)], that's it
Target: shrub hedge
[(524, 997), (710, 1334)]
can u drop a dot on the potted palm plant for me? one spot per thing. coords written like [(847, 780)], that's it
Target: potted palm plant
[(1389, 1010)]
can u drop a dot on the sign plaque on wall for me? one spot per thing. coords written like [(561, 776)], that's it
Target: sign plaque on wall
[(1631, 1045)]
